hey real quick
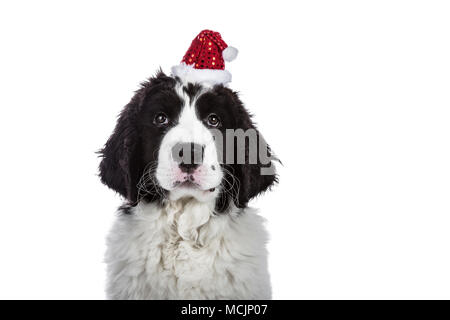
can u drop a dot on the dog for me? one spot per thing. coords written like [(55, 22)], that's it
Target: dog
[(185, 230)]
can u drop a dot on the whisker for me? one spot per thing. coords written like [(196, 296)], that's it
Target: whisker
[(147, 182)]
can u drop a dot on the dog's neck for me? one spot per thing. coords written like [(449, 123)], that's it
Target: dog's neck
[(187, 218)]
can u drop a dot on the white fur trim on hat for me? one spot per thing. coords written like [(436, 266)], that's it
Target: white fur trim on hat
[(230, 53), (188, 73)]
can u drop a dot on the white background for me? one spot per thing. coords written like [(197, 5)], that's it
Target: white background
[(352, 95)]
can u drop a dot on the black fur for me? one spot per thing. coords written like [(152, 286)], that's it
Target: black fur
[(135, 142), (227, 105)]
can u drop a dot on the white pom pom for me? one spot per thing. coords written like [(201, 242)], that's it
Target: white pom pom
[(230, 53)]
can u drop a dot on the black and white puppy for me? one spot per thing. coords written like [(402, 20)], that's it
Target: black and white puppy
[(185, 231)]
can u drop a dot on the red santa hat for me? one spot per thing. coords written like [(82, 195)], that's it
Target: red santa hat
[(204, 60)]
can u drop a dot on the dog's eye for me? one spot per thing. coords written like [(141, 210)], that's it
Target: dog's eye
[(161, 119), (213, 120)]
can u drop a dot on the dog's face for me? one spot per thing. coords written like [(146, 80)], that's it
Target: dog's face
[(168, 145)]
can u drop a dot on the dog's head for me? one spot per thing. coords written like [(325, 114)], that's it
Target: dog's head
[(176, 140)]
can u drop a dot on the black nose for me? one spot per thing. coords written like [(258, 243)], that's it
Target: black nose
[(188, 155)]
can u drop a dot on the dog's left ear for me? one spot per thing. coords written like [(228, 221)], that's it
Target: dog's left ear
[(254, 178)]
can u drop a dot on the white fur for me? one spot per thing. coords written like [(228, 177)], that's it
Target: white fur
[(183, 251), (230, 53), (187, 73)]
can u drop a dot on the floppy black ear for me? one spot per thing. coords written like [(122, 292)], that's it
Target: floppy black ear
[(119, 168), (123, 163), (253, 177), (257, 178)]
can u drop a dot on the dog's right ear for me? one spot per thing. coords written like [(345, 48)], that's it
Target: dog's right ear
[(119, 166), (122, 166)]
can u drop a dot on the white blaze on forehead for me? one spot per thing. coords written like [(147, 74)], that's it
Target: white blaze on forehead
[(188, 120), (189, 127)]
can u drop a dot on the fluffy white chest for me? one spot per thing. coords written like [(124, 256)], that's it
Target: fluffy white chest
[(182, 251)]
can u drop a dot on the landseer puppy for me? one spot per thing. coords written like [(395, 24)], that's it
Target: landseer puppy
[(185, 230)]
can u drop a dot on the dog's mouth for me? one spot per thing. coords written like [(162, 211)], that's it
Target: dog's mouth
[(187, 184), (191, 184)]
